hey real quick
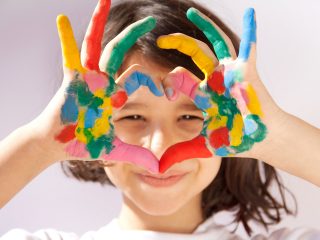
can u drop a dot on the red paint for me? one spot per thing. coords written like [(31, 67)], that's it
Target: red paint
[(195, 148), (93, 38), (67, 134), (216, 82), (219, 137), (119, 99)]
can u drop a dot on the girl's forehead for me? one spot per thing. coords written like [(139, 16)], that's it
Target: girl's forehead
[(154, 69)]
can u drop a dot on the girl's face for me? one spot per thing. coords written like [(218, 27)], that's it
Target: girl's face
[(156, 123)]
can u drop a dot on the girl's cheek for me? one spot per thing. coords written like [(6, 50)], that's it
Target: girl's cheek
[(209, 168)]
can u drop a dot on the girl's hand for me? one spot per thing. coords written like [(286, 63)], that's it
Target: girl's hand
[(77, 122), (237, 107)]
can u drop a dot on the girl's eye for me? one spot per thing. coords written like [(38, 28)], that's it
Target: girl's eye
[(184, 117), (134, 117), (191, 117)]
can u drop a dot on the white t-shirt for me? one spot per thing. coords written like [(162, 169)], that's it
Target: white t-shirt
[(208, 230)]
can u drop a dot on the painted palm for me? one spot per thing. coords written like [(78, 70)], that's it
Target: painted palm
[(92, 93), (233, 116)]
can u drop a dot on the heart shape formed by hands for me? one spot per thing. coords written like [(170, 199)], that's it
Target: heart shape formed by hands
[(92, 92)]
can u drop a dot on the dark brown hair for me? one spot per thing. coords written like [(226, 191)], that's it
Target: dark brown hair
[(242, 185)]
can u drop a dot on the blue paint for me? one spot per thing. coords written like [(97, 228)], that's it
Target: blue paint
[(227, 93), (222, 152), (250, 126), (202, 103), (249, 35), (137, 79), (229, 79), (69, 110), (91, 116)]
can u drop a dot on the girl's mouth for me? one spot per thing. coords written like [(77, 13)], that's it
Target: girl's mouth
[(161, 180)]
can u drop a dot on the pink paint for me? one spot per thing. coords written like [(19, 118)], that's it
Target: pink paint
[(95, 80), (183, 82), (77, 149), (244, 92), (237, 92), (133, 154)]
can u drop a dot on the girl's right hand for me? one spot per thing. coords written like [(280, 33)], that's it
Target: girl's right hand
[(77, 124)]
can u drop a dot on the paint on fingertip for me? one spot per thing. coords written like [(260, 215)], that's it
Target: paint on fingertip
[(249, 35)]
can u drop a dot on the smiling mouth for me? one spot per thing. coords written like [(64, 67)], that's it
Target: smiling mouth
[(162, 180)]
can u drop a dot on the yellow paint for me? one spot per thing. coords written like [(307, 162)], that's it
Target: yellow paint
[(190, 47), (217, 120), (102, 125), (70, 52), (80, 135), (107, 104), (236, 131), (253, 104), (99, 93)]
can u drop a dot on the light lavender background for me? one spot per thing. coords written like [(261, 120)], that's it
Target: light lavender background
[(288, 61)]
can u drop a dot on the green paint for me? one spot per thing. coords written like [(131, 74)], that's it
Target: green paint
[(122, 47), (226, 107), (238, 75), (95, 103), (217, 41), (95, 146), (88, 134), (81, 90), (111, 89), (245, 145), (261, 131), (205, 127)]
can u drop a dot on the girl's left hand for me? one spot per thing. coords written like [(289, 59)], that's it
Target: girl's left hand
[(238, 108)]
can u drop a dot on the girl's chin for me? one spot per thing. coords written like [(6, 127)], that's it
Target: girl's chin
[(156, 208)]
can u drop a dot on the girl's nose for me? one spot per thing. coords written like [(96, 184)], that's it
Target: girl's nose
[(159, 140)]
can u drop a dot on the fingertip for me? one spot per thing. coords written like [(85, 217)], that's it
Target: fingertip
[(191, 13), (62, 20), (161, 41), (249, 19), (150, 22)]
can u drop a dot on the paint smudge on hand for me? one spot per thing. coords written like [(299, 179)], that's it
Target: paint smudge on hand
[(92, 94), (232, 109)]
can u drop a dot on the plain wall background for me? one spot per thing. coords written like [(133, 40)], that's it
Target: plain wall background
[(288, 62)]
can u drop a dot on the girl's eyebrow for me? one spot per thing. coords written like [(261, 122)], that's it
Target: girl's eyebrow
[(188, 106), (182, 106), (134, 105)]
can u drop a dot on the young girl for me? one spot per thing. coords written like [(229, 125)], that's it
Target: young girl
[(175, 158)]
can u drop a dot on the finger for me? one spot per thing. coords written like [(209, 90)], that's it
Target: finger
[(221, 43), (197, 50), (249, 35), (180, 80), (91, 47), (70, 52), (114, 52), (135, 77)]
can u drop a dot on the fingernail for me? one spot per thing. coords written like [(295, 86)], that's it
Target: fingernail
[(169, 92)]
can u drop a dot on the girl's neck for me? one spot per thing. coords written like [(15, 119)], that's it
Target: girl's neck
[(185, 220)]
